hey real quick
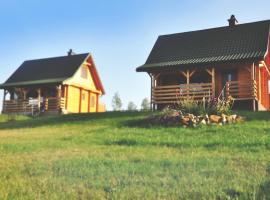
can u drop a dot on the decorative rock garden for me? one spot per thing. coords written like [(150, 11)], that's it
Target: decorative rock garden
[(174, 117)]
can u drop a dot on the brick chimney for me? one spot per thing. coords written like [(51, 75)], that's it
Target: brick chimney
[(70, 52), (232, 21)]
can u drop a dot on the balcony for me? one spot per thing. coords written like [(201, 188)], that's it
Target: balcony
[(33, 106), (242, 90), (172, 93)]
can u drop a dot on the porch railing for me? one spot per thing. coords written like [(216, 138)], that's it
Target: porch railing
[(242, 90), (33, 106), (172, 93)]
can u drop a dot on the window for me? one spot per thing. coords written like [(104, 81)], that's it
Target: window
[(83, 96), (84, 72), (93, 101)]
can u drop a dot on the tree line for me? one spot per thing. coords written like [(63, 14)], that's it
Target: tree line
[(117, 104)]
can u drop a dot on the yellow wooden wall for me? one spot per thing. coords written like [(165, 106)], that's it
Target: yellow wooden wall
[(84, 101), (73, 99), (74, 84), (78, 81), (93, 101)]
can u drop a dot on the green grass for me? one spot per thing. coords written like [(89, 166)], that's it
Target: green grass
[(116, 156)]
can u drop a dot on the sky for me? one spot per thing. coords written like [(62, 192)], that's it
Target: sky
[(119, 34)]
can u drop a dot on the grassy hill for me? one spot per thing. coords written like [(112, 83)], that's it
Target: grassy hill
[(114, 156)]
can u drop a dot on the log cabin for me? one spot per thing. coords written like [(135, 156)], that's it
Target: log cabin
[(233, 60), (66, 84)]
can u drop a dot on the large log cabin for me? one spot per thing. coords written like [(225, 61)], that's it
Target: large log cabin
[(67, 84), (226, 61)]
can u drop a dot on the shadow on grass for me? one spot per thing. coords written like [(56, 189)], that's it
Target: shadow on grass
[(68, 119), (126, 119), (264, 191), (250, 116), (129, 142)]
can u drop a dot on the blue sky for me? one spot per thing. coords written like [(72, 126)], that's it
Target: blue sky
[(120, 34)]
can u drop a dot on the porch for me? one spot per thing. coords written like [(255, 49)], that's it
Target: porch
[(168, 88), (34, 101), (33, 106)]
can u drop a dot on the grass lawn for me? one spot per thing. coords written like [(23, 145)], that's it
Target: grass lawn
[(113, 156)]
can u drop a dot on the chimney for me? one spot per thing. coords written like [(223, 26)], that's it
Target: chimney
[(70, 52), (232, 21)]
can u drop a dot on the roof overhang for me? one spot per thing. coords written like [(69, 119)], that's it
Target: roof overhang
[(31, 83), (196, 63), (94, 73)]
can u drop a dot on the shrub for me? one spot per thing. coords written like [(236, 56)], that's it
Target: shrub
[(210, 105)]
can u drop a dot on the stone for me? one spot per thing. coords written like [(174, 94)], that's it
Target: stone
[(215, 119), (224, 118), (184, 121), (203, 122), (239, 119)]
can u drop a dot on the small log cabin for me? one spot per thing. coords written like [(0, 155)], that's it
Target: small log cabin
[(226, 61), (67, 84)]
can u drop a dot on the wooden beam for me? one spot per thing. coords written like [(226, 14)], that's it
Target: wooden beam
[(260, 86), (39, 98), (185, 74), (97, 102), (4, 99), (188, 76), (191, 74), (151, 93), (89, 101), (188, 81), (80, 100), (66, 96), (156, 76), (247, 68), (262, 64), (252, 71), (209, 72), (213, 82)]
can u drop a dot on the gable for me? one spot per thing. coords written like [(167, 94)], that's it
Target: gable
[(238, 43), (86, 77), (82, 78)]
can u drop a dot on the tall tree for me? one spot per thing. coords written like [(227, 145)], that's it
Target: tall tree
[(131, 106), (116, 102), (145, 104)]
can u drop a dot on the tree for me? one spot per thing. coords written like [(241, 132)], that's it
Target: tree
[(131, 106), (116, 102), (145, 104)]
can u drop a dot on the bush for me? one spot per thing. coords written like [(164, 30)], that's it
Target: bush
[(212, 105)]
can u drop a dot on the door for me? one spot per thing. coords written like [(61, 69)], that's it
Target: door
[(228, 75)]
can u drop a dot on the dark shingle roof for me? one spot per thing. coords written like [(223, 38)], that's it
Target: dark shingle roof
[(241, 42), (47, 70)]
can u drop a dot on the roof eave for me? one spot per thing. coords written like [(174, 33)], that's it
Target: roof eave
[(147, 68), (31, 83)]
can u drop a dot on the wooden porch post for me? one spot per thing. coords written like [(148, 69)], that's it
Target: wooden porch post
[(213, 82), (153, 85), (24, 94), (59, 96), (89, 101), (253, 77), (97, 102), (66, 96), (80, 100), (151, 94), (39, 98), (188, 81), (4, 99), (212, 74)]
